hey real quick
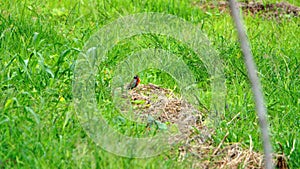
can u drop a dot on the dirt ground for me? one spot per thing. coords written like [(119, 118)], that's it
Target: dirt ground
[(269, 11)]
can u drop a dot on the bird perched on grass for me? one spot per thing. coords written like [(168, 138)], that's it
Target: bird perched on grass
[(134, 83)]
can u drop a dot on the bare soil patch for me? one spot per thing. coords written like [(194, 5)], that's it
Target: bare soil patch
[(270, 10)]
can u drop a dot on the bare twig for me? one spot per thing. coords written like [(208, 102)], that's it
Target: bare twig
[(250, 152), (255, 83), (233, 118), (219, 146), (293, 148)]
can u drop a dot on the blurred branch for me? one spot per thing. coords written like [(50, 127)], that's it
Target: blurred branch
[(255, 83)]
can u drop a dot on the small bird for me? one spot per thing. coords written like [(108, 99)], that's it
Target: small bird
[(134, 83)]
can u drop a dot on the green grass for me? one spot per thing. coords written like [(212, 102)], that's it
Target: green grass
[(39, 44)]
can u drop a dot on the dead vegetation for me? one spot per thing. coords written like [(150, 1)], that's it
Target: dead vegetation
[(196, 142), (270, 10)]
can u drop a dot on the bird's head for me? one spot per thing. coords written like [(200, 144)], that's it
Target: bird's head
[(137, 79)]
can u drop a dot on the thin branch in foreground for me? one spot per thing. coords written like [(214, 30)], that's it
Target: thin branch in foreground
[(255, 83)]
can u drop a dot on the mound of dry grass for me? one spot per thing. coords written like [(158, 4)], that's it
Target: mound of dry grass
[(195, 139)]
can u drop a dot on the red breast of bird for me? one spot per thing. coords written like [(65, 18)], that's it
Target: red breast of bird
[(134, 83)]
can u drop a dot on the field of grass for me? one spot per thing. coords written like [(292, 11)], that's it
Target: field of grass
[(40, 42)]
